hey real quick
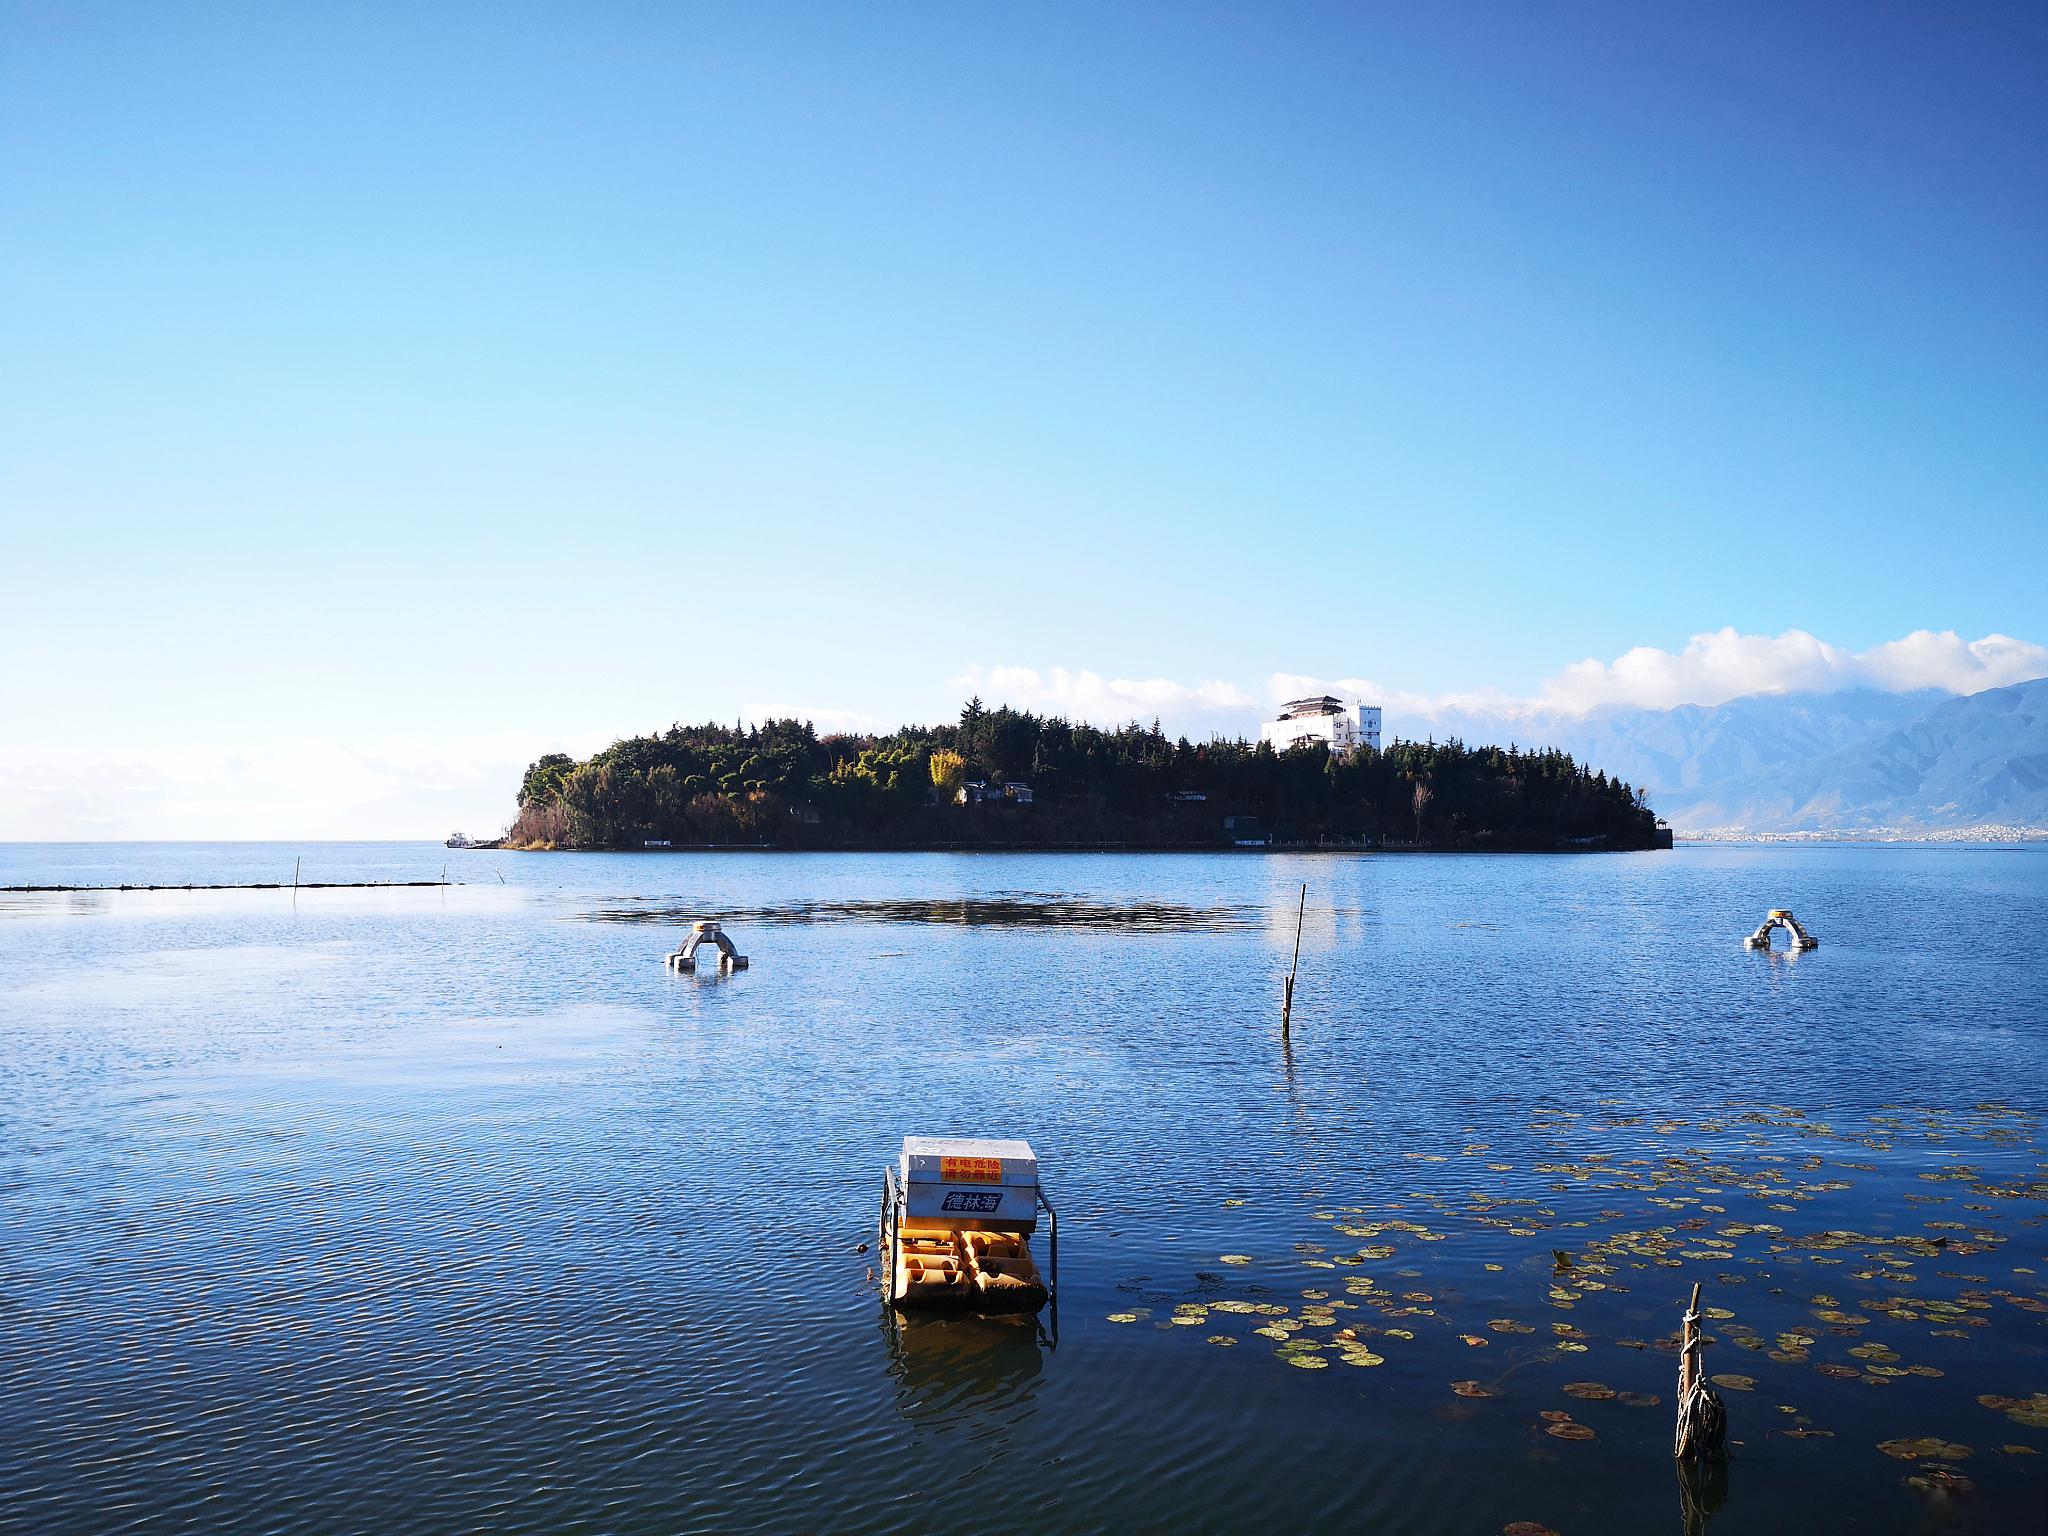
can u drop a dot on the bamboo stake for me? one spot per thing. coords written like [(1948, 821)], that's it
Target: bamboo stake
[(1287, 998)]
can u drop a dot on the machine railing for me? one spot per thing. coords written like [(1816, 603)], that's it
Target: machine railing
[(1051, 1336), (1052, 1246), (892, 1228)]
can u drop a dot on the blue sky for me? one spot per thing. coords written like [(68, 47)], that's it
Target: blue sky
[(447, 381)]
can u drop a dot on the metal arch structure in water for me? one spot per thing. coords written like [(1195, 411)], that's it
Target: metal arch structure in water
[(1795, 931)]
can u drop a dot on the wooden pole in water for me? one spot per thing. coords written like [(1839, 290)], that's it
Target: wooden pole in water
[(1287, 998), (295, 870), (1702, 1419)]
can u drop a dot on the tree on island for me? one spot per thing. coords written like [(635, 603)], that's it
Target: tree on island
[(948, 772)]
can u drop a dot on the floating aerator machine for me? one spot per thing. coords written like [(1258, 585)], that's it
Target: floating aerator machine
[(1779, 917), (707, 932), (957, 1216)]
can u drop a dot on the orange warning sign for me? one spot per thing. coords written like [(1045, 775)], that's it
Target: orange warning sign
[(971, 1170)]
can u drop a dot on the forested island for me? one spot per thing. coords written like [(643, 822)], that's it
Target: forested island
[(1009, 778)]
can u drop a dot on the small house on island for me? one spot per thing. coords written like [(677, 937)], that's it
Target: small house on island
[(1343, 728), (981, 792), (1245, 832)]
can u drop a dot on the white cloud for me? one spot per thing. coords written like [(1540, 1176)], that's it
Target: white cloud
[(1101, 700), (1723, 665), (1925, 659), (828, 722)]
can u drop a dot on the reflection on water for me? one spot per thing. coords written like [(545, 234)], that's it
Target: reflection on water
[(1702, 1490), (962, 1371), (53, 903)]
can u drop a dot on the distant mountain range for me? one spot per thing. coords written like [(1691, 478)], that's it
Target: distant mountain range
[(1857, 761)]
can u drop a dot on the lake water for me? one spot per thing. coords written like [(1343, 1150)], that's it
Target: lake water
[(448, 1210)]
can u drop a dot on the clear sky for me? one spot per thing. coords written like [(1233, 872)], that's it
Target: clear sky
[(440, 383)]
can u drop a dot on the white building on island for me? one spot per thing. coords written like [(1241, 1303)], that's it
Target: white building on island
[(1342, 727)]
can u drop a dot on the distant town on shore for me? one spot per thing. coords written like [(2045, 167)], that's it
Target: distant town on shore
[(1318, 776)]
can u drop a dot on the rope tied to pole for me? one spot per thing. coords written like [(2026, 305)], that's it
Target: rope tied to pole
[(1702, 1416)]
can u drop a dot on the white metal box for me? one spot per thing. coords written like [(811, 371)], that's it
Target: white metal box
[(967, 1179)]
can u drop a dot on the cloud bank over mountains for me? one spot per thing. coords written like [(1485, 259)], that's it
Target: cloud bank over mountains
[(1712, 668), (1722, 665)]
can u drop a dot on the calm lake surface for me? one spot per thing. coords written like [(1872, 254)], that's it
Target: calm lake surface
[(453, 1210)]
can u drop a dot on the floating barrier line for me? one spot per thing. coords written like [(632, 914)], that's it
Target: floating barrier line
[(252, 885)]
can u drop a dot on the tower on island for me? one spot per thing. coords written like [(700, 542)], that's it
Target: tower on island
[(1343, 727)]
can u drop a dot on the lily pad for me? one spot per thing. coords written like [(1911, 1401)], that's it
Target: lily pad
[(1940, 1480), (2030, 1411), (1926, 1448)]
